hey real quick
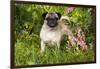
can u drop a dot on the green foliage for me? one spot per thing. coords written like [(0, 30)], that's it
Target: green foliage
[(28, 22)]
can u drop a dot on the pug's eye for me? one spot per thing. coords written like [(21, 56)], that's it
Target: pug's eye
[(56, 18), (47, 18)]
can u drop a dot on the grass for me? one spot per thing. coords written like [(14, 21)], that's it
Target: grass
[(27, 52)]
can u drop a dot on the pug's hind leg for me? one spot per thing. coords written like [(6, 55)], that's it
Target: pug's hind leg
[(42, 46), (58, 45)]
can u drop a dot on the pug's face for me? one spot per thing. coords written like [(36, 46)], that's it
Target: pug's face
[(51, 19)]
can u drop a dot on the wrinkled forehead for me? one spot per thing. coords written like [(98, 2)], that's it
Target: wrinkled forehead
[(51, 15)]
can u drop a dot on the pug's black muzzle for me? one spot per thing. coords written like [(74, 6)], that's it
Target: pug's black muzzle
[(52, 23)]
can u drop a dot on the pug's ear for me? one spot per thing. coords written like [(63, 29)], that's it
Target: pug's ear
[(59, 15), (44, 15)]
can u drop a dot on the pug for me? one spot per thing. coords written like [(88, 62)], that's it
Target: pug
[(52, 30)]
